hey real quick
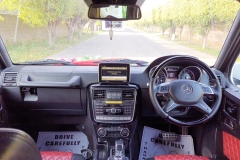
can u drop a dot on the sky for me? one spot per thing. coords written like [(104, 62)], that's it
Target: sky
[(150, 4)]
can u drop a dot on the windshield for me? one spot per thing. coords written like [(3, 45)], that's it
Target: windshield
[(34, 30)]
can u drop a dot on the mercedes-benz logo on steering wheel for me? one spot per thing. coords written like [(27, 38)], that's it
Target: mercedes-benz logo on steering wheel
[(187, 88)]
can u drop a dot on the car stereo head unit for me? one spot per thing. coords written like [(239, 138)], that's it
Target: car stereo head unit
[(118, 73)]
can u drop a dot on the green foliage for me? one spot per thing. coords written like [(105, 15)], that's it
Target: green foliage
[(160, 18), (39, 49), (48, 13), (38, 13), (198, 14), (75, 7), (10, 5), (225, 10)]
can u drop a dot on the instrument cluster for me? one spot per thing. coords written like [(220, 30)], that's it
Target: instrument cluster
[(170, 73)]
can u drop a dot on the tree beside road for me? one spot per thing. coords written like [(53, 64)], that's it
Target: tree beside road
[(49, 13), (200, 16)]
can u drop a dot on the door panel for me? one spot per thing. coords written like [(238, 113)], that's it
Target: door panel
[(229, 121), (231, 110), (3, 112)]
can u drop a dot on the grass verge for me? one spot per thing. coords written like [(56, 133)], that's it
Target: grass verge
[(37, 50), (210, 51), (207, 50)]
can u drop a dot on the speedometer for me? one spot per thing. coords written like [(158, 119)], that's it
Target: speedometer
[(161, 77), (186, 74), (190, 73)]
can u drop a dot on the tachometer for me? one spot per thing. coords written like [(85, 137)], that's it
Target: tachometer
[(161, 76), (186, 74)]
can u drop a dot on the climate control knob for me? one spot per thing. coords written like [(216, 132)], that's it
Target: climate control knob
[(102, 132), (124, 132)]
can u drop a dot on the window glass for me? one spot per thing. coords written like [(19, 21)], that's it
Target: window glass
[(235, 75), (34, 30)]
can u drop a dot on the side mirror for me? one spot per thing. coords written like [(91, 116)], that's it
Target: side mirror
[(114, 12)]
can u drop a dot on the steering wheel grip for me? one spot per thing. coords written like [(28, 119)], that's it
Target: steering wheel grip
[(196, 99)]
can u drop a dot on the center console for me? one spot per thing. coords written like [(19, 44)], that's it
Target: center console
[(112, 108), (113, 104)]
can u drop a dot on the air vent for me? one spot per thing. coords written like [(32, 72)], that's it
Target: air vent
[(219, 79), (10, 79), (99, 94), (128, 94)]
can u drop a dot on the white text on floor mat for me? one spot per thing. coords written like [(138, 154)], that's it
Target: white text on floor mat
[(62, 141), (152, 144)]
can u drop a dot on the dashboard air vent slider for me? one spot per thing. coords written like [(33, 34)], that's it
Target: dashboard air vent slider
[(10, 79), (128, 95), (219, 79), (99, 94)]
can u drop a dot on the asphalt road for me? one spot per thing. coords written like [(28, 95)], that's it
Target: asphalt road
[(130, 44)]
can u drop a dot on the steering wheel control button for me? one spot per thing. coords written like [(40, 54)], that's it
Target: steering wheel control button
[(206, 89), (102, 132), (164, 88)]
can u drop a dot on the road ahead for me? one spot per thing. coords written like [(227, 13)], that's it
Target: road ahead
[(130, 44)]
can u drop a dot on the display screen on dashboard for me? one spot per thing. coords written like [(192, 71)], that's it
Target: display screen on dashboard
[(114, 73)]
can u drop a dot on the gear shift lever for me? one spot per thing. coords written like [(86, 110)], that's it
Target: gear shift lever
[(119, 151), (119, 148)]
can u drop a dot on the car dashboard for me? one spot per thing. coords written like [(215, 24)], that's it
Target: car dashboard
[(64, 92)]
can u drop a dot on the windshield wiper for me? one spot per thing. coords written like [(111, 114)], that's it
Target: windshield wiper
[(48, 61)]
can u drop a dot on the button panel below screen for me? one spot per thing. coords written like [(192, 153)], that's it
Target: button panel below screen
[(118, 118)]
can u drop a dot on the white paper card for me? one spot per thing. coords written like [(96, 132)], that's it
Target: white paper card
[(62, 141), (153, 145)]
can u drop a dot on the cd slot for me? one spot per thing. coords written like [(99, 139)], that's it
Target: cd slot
[(113, 109)]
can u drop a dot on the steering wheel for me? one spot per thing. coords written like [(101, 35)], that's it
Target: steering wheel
[(185, 93)]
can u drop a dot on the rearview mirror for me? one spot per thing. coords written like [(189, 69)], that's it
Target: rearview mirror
[(114, 12)]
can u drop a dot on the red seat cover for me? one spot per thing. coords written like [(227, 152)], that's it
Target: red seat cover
[(231, 146), (180, 157), (55, 155)]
